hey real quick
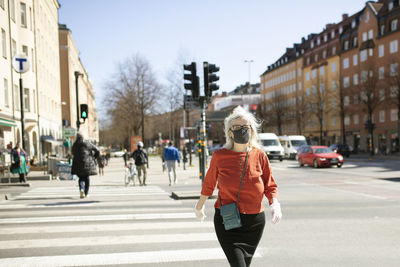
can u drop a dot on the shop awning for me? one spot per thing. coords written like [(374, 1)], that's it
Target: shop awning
[(8, 123)]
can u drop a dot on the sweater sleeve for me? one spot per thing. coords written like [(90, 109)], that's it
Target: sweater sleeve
[(270, 187), (210, 181)]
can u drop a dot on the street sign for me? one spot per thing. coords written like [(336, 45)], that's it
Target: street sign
[(20, 63), (68, 132), (189, 103)]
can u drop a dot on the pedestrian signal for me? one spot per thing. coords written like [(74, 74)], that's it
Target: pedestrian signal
[(84, 111)]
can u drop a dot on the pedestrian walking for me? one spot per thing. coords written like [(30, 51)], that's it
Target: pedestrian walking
[(164, 164), (184, 157), (101, 161), (141, 160), (171, 155), (243, 175), (108, 156), (83, 163), (126, 157), (18, 162)]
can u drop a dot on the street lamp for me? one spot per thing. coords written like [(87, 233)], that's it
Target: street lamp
[(249, 63), (78, 123)]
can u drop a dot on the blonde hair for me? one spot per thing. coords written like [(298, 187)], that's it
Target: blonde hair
[(237, 113)]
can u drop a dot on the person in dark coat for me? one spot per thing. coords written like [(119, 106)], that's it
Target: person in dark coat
[(84, 164)]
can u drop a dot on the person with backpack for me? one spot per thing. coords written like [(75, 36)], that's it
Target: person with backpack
[(141, 160)]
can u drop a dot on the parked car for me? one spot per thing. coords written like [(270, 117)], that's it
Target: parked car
[(117, 153), (342, 149), (271, 146), (319, 156)]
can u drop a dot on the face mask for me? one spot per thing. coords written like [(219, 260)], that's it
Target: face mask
[(241, 136)]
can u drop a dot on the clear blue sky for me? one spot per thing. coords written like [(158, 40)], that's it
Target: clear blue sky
[(224, 32)]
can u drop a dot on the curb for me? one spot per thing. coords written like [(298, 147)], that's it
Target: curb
[(14, 184)]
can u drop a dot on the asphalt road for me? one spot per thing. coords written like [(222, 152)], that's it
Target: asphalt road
[(347, 216)]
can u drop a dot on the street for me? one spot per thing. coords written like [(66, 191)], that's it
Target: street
[(345, 216)]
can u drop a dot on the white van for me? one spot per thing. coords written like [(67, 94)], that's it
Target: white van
[(271, 146), (291, 144)]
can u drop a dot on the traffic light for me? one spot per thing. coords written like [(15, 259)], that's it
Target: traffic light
[(84, 111), (193, 79), (210, 78)]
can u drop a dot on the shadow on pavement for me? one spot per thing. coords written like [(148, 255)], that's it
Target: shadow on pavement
[(65, 203)]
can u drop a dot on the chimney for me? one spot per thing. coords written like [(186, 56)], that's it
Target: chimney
[(345, 16)]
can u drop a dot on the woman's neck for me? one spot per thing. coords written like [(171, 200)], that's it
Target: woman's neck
[(240, 147)]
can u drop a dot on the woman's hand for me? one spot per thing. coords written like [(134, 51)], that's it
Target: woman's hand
[(276, 212), (199, 212)]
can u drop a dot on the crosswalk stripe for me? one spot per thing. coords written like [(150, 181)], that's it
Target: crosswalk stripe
[(75, 212), (147, 216), (108, 240), (106, 227), (163, 256), (88, 203)]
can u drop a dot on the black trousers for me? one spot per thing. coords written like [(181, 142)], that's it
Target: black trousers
[(240, 244), (84, 184), (22, 178)]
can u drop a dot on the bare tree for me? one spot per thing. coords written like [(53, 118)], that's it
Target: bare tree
[(132, 95), (300, 114), (394, 96), (277, 106)]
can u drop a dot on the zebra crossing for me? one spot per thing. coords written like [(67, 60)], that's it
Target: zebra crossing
[(52, 226)]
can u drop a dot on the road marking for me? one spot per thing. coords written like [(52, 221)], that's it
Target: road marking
[(105, 227), (149, 216), (108, 240), (163, 256)]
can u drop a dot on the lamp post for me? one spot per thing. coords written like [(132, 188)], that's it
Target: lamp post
[(249, 63), (78, 123)]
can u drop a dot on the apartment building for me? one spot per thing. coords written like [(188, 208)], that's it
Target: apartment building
[(69, 64), (370, 77), (28, 27)]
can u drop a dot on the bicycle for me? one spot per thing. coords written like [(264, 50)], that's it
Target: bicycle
[(130, 174)]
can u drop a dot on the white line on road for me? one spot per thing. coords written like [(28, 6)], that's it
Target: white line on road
[(108, 240), (105, 227), (150, 216), (162, 256)]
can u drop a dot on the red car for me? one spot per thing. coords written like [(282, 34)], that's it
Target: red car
[(319, 156)]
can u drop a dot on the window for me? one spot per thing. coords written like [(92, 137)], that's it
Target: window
[(390, 5), (318, 41), (332, 34), (334, 103), (355, 60), (393, 46), (33, 61), (381, 72), (394, 116), (326, 37), (354, 41), (23, 14), (314, 89), (299, 85), (382, 29), (26, 100), (322, 88), (381, 116), (308, 60), (364, 36), (324, 54), (393, 25), (314, 73), (367, 17), (334, 120), (346, 82), (382, 94), (346, 101), (299, 71), (321, 70), (312, 44), (394, 91), (370, 34), (346, 63), (355, 79), (346, 45), (308, 92), (364, 76), (12, 9), (6, 100), (13, 47), (3, 43), (347, 120), (393, 69), (25, 50), (355, 119), (355, 99), (307, 76), (316, 58), (371, 52), (30, 19), (16, 97), (334, 50), (363, 55), (353, 23), (34, 100), (381, 50), (333, 67), (333, 85), (340, 29)]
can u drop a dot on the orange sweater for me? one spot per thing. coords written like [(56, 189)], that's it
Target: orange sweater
[(226, 170)]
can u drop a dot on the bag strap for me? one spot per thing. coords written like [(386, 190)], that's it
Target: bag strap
[(241, 180)]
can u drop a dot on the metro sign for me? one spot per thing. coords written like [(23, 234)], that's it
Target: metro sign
[(20, 63)]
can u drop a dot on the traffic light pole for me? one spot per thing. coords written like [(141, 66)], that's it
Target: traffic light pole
[(21, 94), (78, 123), (203, 138)]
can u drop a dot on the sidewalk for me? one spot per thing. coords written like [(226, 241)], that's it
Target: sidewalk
[(378, 157)]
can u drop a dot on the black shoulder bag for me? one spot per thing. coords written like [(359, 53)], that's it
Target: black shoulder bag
[(230, 212)]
